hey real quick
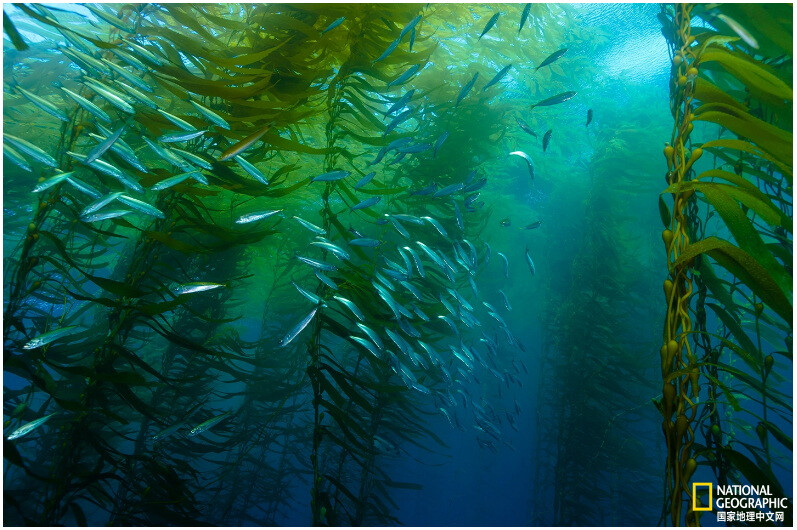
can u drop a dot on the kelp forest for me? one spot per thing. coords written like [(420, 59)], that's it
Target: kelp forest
[(397, 264)]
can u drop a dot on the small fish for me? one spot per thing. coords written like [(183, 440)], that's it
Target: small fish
[(528, 160), (98, 204), (31, 150), (467, 88), (141, 206), (167, 431), (506, 264), (326, 280), (50, 336), (589, 117), (529, 261), (474, 186), (440, 140), (102, 216), (335, 23), (244, 144), (367, 203), (435, 223), (207, 424), (287, 339), (415, 149), (132, 78), (546, 140), (401, 102), (145, 53), (82, 186), (52, 181), (180, 136), (317, 264), (410, 26), (251, 169), (448, 190), (110, 95), (525, 126), (103, 146), (310, 296), (506, 300), (365, 242), (489, 25), (28, 427), (551, 58), (193, 158), (524, 16), (256, 216), (739, 30), (411, 71), (211, 116), (332, 176), (412, 38), (336, 250), (310, 226), (365, 180), (196, 287), (398, 120), (532, 226), (179, 122), (431, 188), (16, 158), (137, 95), (500, 75), (555, 100), (88, 106), (506, 222), (372, 335), (389, 50), (43, 104), (350, 305)]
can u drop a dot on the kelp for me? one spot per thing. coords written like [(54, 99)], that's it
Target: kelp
[(744, 264)]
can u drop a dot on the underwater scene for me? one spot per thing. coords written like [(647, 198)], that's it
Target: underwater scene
[(397, 264)]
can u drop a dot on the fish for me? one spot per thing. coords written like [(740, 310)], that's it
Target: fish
[(30, 150), (524, 16), (180, 136), (367, 203), (410, 26), (99, 203), (193, 158), (110, 95), (310, 226), (88, 106), (132, 78), (28, 427), (137, 95), (52, 181), (251, 169), (529, 261), (82, 186), (458, 217), (326, 280), (179, 122), (436, 224), (398, 120), (103, 146), (506, 264), (317, 264), (332, 176), (398, 226), (256, 216), (336, 250), (506, 300), (555, 100), (310, 296), (141, 206), (351, 306), (393, 45), (532, 226), (167, 431), (525, 127), (440, 140), (475, 186), (411, 71), (506, 222), (448, 190), (365, 180), (16, 157), (292, 334), (489, 25), (335, 23), (365, 242), (401, 102), (414, 149), (546, 140), (739, 30), (43, 104), (208, 424), (527, 158), (110, 170), (551, 58), (102, 216), (50, 336), (366, 344), (466, 89), (589, 118), (500, 75), (412, 38), (244, 144), (431, 188), (196, 287), (211, 116)]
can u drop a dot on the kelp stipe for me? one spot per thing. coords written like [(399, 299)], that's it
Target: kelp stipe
[(723, 375)]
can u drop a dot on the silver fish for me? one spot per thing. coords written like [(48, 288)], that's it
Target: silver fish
[(298, 329)]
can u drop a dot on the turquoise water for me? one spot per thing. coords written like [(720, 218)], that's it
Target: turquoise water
[(222, 317)]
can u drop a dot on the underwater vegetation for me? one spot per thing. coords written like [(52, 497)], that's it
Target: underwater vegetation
[(268, 263)]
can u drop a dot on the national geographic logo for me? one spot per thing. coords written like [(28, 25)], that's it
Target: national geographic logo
[(742, 503)]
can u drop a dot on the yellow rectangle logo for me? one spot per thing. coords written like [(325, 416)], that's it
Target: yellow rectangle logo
[(695, 507)]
